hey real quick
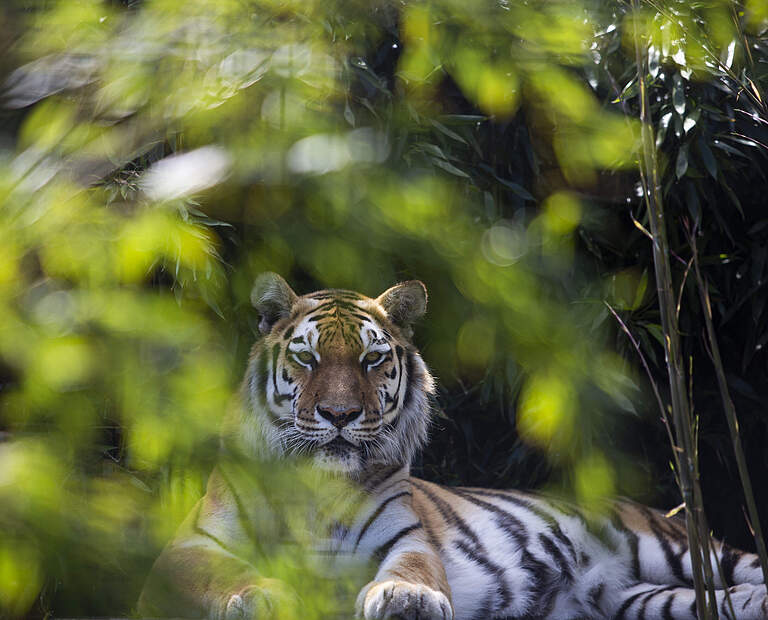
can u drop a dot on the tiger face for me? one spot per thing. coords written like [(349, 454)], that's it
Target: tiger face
[(336, 377)]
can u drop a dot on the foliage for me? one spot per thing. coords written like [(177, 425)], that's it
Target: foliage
[(158, 155)]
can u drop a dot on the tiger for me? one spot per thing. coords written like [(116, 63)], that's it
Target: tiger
[(335, 375)]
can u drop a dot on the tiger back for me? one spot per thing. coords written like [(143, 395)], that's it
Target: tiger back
[(335, 378)]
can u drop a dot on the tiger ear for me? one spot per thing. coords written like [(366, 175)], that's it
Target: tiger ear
[(405, 303), (272, 298)]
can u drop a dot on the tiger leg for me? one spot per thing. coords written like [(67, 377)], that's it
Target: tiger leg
[(646, 600), (661, 551), (410, 582), (406, 588)]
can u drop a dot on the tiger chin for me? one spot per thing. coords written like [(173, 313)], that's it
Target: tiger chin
[(335, 378)]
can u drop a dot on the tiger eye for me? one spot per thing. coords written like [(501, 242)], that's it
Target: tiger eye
[(305, 357), (372, 357)]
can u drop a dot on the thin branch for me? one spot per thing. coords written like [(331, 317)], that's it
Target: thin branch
[(659, 401)]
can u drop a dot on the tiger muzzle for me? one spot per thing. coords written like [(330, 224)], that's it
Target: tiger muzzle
[(339, 418)]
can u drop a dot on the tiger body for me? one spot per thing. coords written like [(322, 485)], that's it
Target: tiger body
[(336, 378)]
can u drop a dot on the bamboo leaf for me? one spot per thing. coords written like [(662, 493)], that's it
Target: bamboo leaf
[(681, 166), (448, 132), (708, 158), (517, 189), (448, 167), (678, 94)]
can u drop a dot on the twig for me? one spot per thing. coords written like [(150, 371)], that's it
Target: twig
[(659, 401)]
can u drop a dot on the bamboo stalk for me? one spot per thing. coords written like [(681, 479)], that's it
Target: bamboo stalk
[(730, 412), (649, 174)]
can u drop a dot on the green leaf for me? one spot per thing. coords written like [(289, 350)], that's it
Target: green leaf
[(444, 130), (678, 94), (448, 167), (655, 330), (708, 158), (628, 92), (678, 126), (732, 195), (761, 225), (663, 125), (517, 189), (642, 287), (432, 149), (728, 148), (349, 115), (463, 119), (681, 166)]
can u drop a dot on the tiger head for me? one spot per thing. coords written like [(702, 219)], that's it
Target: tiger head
[(336, 377)]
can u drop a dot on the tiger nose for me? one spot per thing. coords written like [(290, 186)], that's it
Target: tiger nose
[(339, 418)]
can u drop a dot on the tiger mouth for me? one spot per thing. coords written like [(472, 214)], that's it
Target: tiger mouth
[(339, 444)]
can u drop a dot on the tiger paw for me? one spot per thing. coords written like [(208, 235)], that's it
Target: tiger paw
[(380, 600), (257, 602)]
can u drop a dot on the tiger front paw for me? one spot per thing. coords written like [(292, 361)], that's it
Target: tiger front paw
[(380, 600)]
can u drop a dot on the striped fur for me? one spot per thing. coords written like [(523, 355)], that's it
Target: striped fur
[(335, 377)]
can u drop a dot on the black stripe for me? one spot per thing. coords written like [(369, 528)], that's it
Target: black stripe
[(748, 601), (508, 522), (338, 293), (626, 605), (728, 560), (553, 525), (277, 396), (674, 560), (641, 612), (632, 540), (382, 551), (543, 579), (320, 317), (205, 533), (380, 476), (259, 384), (560, 559), (666, 612), (376, 515), (390, 485), (202, 532), (475, 550), (399, 354), (409, 374), (275, 355), (242, 515)]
